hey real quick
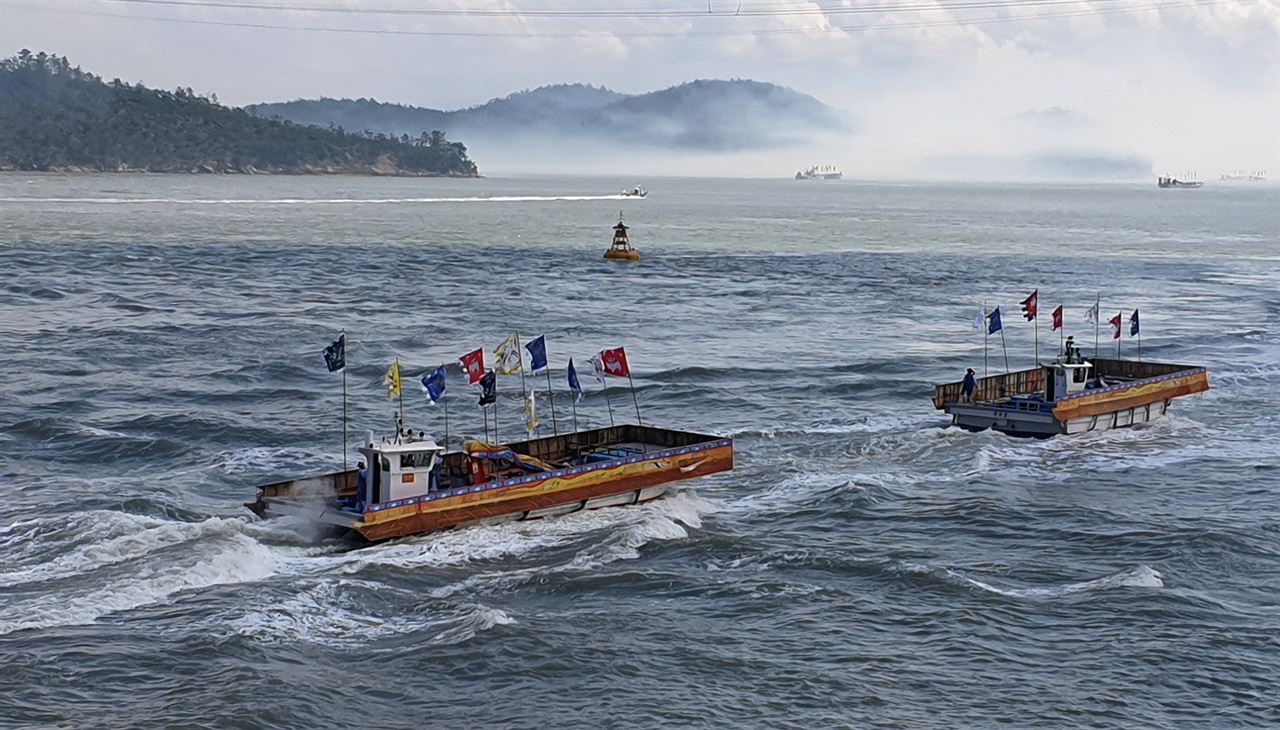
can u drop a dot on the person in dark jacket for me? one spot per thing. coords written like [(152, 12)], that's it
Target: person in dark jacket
[(970, 385)]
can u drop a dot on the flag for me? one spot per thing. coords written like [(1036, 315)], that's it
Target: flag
[(531, 414), (392, 379), (537, 353), (979, 319), (1030, 305), (1115, 322), (488, 389), (615, 362), (574, 385), (1057, 318), (433, 384), (1133, 324), (473, 363), (508, 354), (1091, 314), (597, 368), (995, 325), (335, 355)]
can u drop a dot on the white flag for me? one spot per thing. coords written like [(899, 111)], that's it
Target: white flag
[(597, 367), (508, 355), (1091, 314), (980, 320)]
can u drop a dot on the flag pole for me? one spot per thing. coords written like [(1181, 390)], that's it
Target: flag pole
[(1036, 329), (400, 383), (984, 338), (573, 403), (634, 398), (1119, 334), (344, 401), (485, 410), (524, 392), (605, 387), (551, 398), (496, 437), (1139, 342), (1097, 322), (446, 419), (1004, 347)]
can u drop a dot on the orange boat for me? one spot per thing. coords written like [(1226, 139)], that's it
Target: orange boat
[(410, 486), (1071, 396)]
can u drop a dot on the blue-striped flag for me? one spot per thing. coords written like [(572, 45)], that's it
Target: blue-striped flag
[(335, 355), (537, 353), (574, 385)]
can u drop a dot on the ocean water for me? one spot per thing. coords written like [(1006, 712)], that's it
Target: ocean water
[(863, 566)]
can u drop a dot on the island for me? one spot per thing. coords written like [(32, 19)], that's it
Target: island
[(57, 118)]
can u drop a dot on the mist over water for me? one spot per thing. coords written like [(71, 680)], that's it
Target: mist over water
[(862, 566)]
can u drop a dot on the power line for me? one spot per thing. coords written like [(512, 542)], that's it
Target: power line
[(529, 33)]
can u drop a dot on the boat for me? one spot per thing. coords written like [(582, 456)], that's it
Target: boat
[(1257, 176), (1165, 181), (411, 487), (620, 248), (636, 192), (819, 172), (1071, 395)]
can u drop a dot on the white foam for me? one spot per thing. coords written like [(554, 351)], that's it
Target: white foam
[(316, 201), (233, 559), (1141, 576)]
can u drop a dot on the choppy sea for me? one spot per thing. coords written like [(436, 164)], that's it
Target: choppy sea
[(863, 566)]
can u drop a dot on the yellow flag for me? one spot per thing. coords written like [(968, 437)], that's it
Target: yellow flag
[(392, 379)]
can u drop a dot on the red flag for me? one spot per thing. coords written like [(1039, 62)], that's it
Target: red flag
[(1030, 305), (473, 363), (1057, 318), (615, 362), (1115, 322)]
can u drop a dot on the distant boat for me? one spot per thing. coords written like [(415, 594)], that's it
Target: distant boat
[(819, 172), (1259, 176), (636, 192), (1167, 181)]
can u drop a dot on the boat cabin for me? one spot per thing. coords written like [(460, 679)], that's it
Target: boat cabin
[(399, 469), (1065, 378)]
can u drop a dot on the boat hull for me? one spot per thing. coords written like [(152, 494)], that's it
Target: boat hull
[(665, 457)]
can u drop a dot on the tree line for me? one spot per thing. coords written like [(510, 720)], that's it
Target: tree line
[(56, 117)]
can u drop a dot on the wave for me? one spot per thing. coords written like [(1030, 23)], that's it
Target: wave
[(1139, 576), (318, 201)]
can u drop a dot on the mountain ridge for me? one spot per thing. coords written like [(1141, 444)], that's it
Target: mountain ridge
[(704, 115)]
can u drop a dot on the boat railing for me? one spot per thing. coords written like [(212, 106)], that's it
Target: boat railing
[(992, 388), (1112, 370)]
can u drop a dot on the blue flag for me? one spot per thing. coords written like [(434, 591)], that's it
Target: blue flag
[(993, 319), (335, 355), (1133, 324), (433, 384), (488, 389), (574, 385), (537, 353)]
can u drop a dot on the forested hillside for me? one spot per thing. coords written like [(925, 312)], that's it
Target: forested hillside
[(56, 117)]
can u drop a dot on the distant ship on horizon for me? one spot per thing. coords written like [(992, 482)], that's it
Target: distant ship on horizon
[(819, 172), (1258, 176)]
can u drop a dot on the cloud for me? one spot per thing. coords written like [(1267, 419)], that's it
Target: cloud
[(1054, 117), (1046, 165)]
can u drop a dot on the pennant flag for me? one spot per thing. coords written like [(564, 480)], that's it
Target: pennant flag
[(1133, 324), (433, 384), (597, 367), (473, 363), (995, 325), (979, 319), (574, 385), (1091, 314), (1116, 322), (531, 414), (508, 355), (615, 362), (335, 355), (537, 353), (1030, 305), (488, 389), (1057, 318), (392, 379)]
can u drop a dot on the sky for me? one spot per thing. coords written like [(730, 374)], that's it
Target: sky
[(933, 88)]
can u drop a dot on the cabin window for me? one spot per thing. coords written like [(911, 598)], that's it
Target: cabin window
[(419, 460), (386, 465), (1078, 375)]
